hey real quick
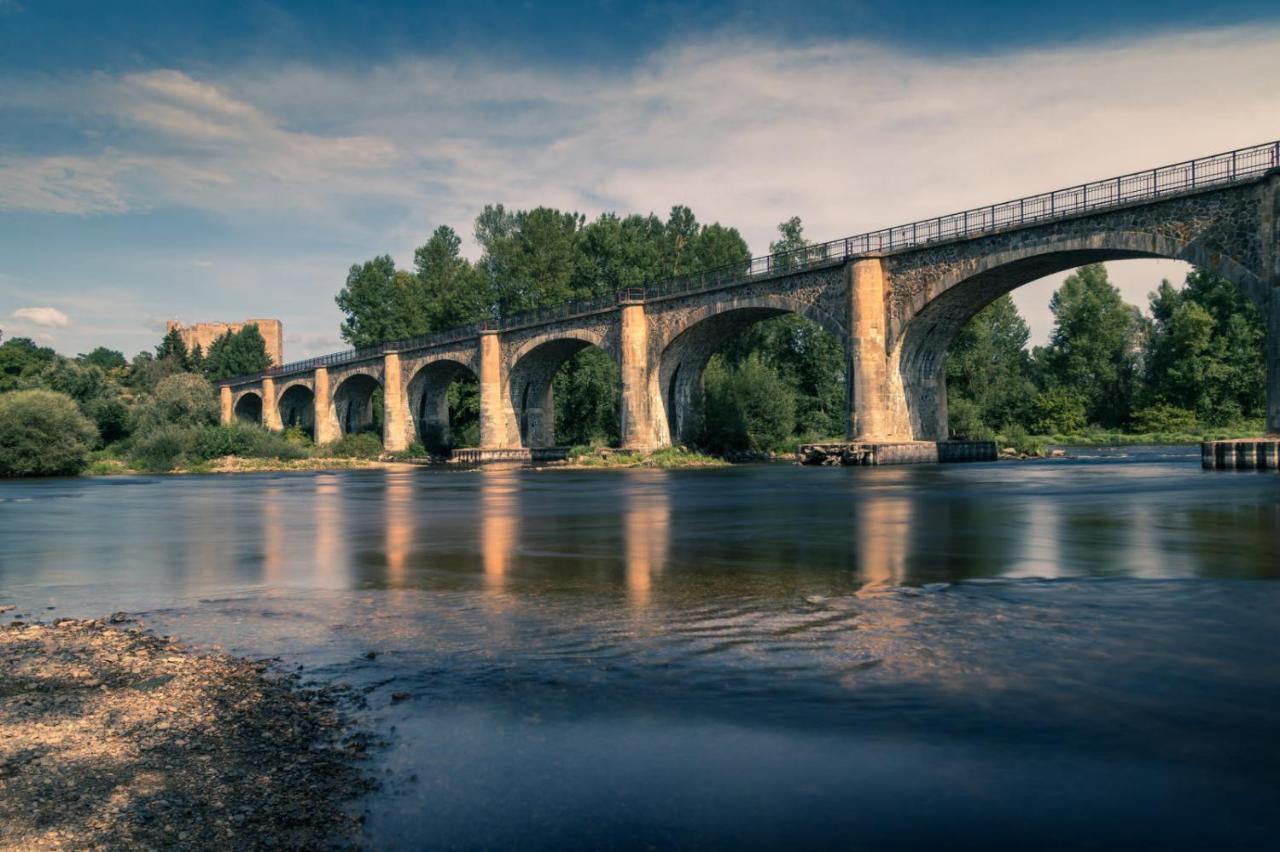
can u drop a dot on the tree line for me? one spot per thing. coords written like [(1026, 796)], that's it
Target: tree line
[(1194, 362), (155, 412)]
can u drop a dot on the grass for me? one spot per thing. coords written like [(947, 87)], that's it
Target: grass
[(603, 458)]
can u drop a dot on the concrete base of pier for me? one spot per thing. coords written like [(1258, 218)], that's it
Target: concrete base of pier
[(1241, 454), (902, 452), (480, 455)]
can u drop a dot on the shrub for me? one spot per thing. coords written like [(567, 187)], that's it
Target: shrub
[(183, 399), (246, 440), (1016, 437), (363, 445), (298, 436), (1164, 418), (1058, 411), (964, 418), (163, 448), (748, 407), (43, 433), (112, 416)]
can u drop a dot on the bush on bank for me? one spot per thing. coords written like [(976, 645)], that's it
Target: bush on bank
[(43, 433), (362, 445)]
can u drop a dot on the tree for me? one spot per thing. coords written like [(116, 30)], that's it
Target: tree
[(107, 359), (43, 433), (172, 349), (1206, 353), (530, 257), (20, 357), (587, 399), (449, 291), (1096, 345), (183, 399), (378, 303), (746, 407), (809, 359), (237, 353), (988, 369)]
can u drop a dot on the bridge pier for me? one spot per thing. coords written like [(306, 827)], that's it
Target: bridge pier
[(395, 409), (875, 401), (270, 405), (327, 430), (494, 431), (639, 429), (226, 411)]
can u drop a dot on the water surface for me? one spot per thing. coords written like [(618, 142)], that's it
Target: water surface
[(1060, 654)]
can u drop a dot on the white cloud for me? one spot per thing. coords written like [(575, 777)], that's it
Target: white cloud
[(46, 317), (849, 135)]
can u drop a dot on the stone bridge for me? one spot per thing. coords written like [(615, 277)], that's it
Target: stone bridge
[(895, 298)]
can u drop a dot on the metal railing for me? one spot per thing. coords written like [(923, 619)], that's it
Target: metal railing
[(1240, 165)]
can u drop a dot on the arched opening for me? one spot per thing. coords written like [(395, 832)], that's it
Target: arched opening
[(353, 401), (1109, 355), (753, 379), (249, 408), (298, 409), (444, 398), (566, 392)]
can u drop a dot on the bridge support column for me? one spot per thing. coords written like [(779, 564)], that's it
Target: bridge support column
[(494, 434), (226, 412), (876, 404), (639, 431), (270, 406), (395, 410), (1273, 362), (327, 430)]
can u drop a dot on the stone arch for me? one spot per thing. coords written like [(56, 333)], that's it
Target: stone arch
[(248, 407), (920, 337), (353, 402), (297, 407), (528, 386), (684, 355), (428, 397)]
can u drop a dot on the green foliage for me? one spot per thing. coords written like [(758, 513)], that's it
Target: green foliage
[(43, 433), (180, 400), (298, 436), (172, 349), (1096, 346), (247, 440), (105, 359), (378, 303), (1206, 351), (1021, 442), (20, 357), (163, 447), (364, 445), (448, 291), (586, 390), (966, 421), (1058, 411), (989, 372), (1162, 417), (747, 407), (235, 353)]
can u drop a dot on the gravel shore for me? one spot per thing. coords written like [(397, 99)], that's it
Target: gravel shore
[(112, 738)]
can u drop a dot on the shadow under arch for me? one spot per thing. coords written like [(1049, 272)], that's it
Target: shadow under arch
[(298, 408), (353, 403), (684, 358), (428, 396), (248, 408), (530, 391), (919, 355)]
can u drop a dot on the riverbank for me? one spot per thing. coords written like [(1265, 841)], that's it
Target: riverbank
[(237, 464), (114, 738)]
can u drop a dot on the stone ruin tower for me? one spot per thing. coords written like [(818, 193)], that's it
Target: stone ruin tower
[(204, 333)]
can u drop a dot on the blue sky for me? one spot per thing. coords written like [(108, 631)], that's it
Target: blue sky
[(221, 161)]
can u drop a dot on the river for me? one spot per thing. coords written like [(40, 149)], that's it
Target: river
[(1055, 654)]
